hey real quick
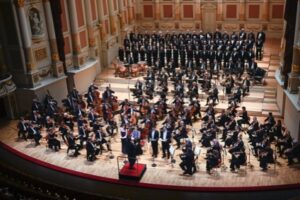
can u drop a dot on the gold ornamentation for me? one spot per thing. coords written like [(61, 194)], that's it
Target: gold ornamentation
[(20, 3), (55, 57), (40, 54), (29, 66), (296, 68), (35, 78)]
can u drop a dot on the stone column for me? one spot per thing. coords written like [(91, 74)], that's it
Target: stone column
[(26, 35), (266, 10), (220, 11), (90, 29), (157, 10), (57, 65), (294, 76), (130, 12), (74, 32), (112, 17), (178, 10), (101, 20), (242, 13)]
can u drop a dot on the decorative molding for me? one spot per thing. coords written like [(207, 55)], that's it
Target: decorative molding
[(7, 86), (231, 27), (166, 26), (40, 54)]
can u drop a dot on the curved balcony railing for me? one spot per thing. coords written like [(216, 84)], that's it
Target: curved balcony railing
[(7, 85)]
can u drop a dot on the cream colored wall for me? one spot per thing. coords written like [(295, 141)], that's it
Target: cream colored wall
[(292, 119), (280, 98), (57, 89), (85, 77)]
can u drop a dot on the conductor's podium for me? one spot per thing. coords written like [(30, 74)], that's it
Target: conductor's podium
[(134, 174)]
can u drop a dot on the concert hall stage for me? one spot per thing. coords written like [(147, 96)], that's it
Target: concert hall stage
[(165, 177)]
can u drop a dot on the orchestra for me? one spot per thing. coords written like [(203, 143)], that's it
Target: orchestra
[(194, 65)]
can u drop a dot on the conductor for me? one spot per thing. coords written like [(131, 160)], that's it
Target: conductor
[(131, 152)]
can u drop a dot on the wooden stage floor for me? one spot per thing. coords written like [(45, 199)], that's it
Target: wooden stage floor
[(262, 101), (163, 173)]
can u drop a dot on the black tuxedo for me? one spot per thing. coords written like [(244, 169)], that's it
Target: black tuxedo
[(153, 138), (165, 136)]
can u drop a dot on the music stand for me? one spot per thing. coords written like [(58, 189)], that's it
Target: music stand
[(172, 153), (249, 161), (197, 152)]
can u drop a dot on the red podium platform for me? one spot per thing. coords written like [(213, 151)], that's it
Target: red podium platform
[(132, 174)]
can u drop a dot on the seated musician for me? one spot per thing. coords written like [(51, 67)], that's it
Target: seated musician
[(196, 108), (269, 121), (107, 94), (111, 127), (90, 99), (210, 111), (213, 96), (293, 152), (229, 126), (83, 134), (265, 156), (253, 127), (232, 138), (34, 133), (72, 144), (68, 121), (222, 119), (100, 139), (213, 157), (51, 109), (208, 135), (64, 130), (22, 127), (284, 143), (244, 117), (92, 117), (69, 103), (92, 88), (277, 131), (181, 133), (187, 158), (53, 143), (91, 149), (238, 157), (194, 91)]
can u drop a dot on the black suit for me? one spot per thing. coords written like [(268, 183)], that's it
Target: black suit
[(153, 137), (165, 136)]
